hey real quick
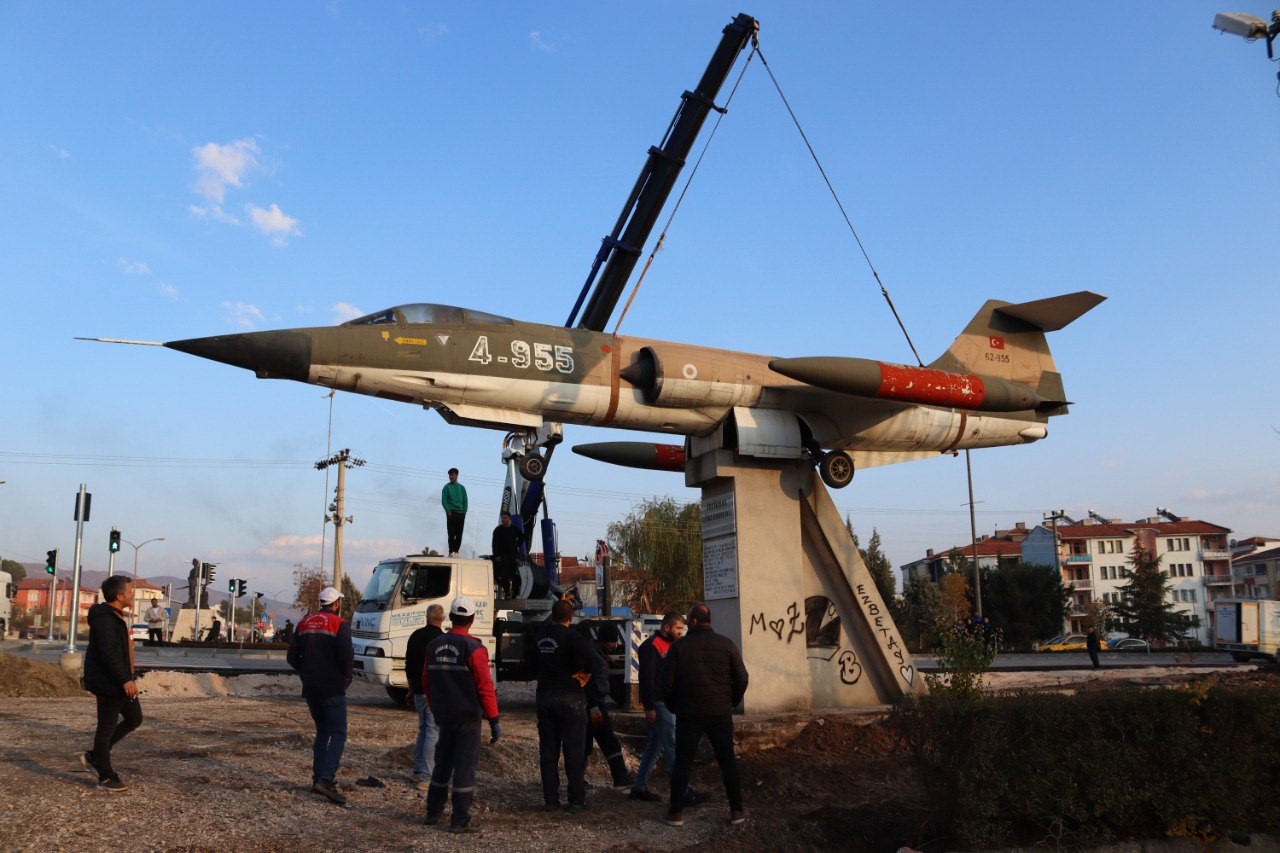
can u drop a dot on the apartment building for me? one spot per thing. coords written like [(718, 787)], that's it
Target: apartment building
[(1093, 555), (1194, 555), (1255, 565)]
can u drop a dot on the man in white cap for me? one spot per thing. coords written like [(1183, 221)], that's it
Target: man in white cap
[(322, 654), (459, 689)]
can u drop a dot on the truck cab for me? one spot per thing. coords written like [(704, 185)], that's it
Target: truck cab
[(395, 603)]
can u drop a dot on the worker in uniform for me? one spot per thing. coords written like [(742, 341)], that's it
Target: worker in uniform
[(604, 640), (460, 693), (322, 653), (564, 663)]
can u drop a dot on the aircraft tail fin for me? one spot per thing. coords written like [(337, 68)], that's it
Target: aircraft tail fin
[(1007, 341)]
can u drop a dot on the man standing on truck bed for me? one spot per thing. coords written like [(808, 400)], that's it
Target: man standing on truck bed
[(415, 658), (460, 691), (322, 654), (564, 659), (453, 497), (506, 556)]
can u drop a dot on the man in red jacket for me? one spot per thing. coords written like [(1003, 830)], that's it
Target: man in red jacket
[(459, 690), (322, 653)]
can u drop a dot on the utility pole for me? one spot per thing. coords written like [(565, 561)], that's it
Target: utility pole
[(343, 460), (973, 534)]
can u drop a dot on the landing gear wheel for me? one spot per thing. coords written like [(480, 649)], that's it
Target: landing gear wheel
[(533, 467), (836, 469)]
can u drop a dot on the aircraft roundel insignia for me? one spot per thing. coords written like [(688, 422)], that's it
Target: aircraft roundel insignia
[(997, 342)]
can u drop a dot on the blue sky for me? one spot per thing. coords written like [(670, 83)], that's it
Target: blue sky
[(184, 170)]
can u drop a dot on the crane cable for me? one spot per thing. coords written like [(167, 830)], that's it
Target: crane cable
[(857, 239), (657, 247)]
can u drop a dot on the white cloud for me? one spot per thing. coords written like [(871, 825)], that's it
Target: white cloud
[(243, 314), (344, 311), (63, 154), (213, 211), (167, 290), (221, 166), (431, 32), (273, 223), (538, 41), (133, 267)]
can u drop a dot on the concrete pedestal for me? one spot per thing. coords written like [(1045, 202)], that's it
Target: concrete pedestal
[(785, 582), (71, 661)]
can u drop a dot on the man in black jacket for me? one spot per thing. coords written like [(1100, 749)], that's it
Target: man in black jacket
[(415, 658), (564, 664), (108, 675), (703, 680), (507, 541)]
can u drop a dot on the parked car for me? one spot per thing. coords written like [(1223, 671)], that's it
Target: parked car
[(1069, 643), (1129, 644), (139, 631), (1048, 645)]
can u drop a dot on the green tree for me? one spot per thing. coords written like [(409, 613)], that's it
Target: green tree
[(1025, 602), (14, 568), (660, 546), (1144, 609), (879, 566), (350, 598), (428, 551), (956, 601), (877, 563), (919, 610)]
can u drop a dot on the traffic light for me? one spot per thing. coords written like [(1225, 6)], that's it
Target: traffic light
[(232, 586), (51, 561), (208, 572), (241, 590), (114, 545)]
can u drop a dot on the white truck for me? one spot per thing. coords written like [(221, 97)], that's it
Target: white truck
[(1247, 628), (8, 591), (395, 603)]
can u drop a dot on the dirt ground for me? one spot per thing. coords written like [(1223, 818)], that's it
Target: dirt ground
[(225, 764)]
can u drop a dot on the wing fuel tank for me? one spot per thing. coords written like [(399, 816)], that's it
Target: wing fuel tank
[(635, 454), (923, 385)]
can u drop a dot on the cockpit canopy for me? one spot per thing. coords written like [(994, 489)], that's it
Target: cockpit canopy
[(428, 313)]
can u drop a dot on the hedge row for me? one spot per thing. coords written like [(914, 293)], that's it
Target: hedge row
[(1110, 764)]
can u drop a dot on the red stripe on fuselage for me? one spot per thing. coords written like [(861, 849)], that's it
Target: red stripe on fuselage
[(928, 386)]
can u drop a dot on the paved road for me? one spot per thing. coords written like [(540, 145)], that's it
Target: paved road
[(229, 661)]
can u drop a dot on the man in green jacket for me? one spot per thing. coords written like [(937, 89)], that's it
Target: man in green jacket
[(454, 499)]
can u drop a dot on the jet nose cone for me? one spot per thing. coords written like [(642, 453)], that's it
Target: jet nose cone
[(270, 355)]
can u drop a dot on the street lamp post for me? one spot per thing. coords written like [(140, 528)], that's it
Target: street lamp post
[(136, 548)]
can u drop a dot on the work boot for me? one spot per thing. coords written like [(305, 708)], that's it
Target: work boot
[(673, 819), (326, 788), (431, 819), (644, 795), (468, 827)]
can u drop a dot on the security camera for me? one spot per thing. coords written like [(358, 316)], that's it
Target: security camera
[(1240, 24)]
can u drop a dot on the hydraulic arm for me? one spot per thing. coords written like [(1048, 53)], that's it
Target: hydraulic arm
[(621, 249)]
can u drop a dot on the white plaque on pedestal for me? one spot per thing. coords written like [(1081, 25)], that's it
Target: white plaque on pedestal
[(720, 567)]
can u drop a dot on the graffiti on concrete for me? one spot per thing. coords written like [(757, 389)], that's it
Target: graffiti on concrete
[(889, 636), (820, 624)]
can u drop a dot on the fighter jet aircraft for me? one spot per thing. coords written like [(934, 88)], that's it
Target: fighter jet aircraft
[(996, 384)]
